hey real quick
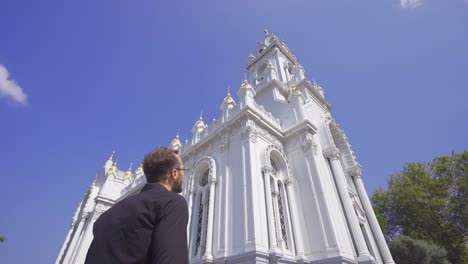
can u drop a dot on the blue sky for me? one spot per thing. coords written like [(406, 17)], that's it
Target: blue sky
[(91, 77)]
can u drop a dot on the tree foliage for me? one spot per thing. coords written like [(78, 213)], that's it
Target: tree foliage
[(2, 238), (406, 250), (428, 201)]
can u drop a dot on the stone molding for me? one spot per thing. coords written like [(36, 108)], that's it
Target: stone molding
[(308, 143), (355, 171), (332, 153)]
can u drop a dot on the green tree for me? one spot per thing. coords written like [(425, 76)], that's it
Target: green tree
[(2, 238), (428, 201), (406, 250)]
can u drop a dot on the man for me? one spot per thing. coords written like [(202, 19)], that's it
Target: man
[(151, 226)]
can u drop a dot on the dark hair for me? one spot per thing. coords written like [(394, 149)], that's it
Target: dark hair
[(158, 163)]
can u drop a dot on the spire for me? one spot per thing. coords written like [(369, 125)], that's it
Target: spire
[(128, 173), (245, 83), (175, 144), (111, 156), (113, 169), (228, 98), (109, 162), (139, 169), (200, 120)]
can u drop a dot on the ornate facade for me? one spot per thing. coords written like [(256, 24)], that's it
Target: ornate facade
[(273, 180)]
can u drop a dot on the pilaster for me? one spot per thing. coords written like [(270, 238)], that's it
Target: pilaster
[(373, 223), (334, 155)]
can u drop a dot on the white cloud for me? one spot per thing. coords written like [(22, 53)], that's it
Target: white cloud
[(9, 88), (411, 3)]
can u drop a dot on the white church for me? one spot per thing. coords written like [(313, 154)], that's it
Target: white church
[(272, 180)]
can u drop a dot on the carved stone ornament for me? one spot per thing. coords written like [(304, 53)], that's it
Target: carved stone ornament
[(268, 169), (99, 209), (249, 131), (269, 137), (212, 180), (308, 143), (332, 153), (289, 181), (355, 171)]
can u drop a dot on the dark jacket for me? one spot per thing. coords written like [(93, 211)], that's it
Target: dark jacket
[(149, 227)]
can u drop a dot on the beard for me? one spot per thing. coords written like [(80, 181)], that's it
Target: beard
[(177, 187)]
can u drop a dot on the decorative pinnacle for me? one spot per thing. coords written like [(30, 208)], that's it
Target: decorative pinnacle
[(176, 140), (200, 120), (113, 168), (112, 155), (228, 98), (266, 32), (129, 171), (294, 89), (139, 169)]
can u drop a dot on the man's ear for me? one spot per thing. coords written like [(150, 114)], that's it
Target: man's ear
[(173, 173)]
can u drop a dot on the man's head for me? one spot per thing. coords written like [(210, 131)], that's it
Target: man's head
[(164, 166)]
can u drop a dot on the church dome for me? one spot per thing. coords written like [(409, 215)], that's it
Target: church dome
[(199, 122), (175, 141), (228, 99)]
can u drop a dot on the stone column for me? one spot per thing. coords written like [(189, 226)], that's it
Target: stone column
[(279, 235), (373, 223), (204, 226), (269, 206), (190, 206), (76, 238), (209, 232), (64, 246), (193, 236), (295, 222), (334, 155), (85, 242)]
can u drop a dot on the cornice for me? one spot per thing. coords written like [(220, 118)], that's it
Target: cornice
[(300, 128), (316, 93), (268, 49), (244, 113)]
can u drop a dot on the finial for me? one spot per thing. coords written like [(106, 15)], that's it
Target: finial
[(266, 32), (200, 120), (245, 82), (294, 89), (176, 140), (112, 155), (228, 98), (139, 169), (113, 168), (129, 171)]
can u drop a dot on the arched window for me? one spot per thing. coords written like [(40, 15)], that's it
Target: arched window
[(202, 212), (201, 220), (281, 215)]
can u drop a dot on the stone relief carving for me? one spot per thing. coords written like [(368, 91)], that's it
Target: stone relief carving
[(355, 171), (332, 153), (308, 143)]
